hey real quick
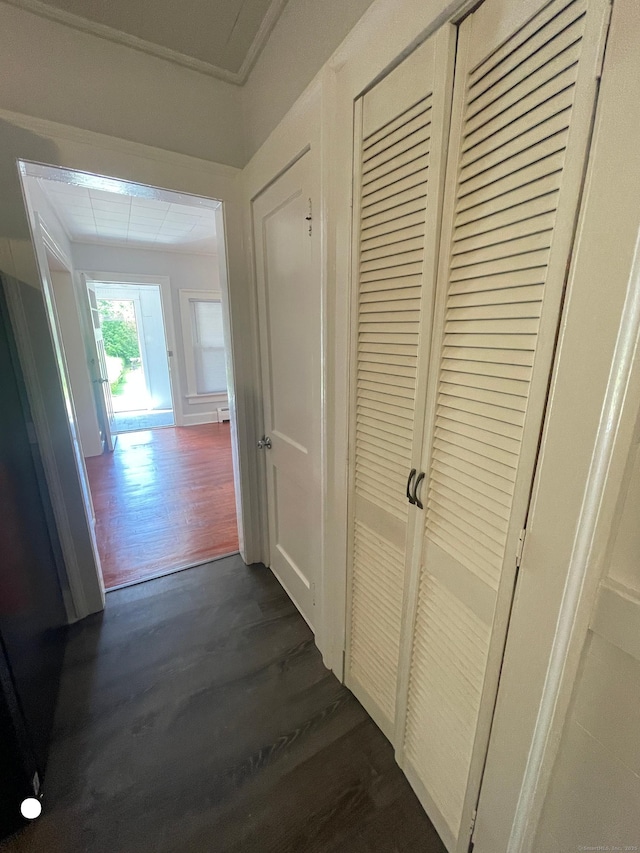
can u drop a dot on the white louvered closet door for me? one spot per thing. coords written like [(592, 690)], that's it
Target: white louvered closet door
[(524, 95), (400, 151)]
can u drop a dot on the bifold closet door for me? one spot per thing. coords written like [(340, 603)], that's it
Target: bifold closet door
[(524, 95), (400, 150)]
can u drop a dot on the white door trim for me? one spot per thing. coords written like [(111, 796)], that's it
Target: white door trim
[(621, 402), (164, 282), (76, 149)]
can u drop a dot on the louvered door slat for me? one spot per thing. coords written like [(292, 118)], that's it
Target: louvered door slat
[(523, 47), (522, 106), (396, 259), (401, 155)]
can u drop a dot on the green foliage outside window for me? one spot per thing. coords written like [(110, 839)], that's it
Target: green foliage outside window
[(119, 330)]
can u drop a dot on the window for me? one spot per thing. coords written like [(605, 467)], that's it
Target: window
[(208, 346), (202, 327)]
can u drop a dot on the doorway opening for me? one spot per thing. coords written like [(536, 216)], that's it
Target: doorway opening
[(134, 288), (132, 328)]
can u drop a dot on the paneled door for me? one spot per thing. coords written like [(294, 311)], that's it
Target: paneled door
[(289, 301), (524, 95), (400, 151)]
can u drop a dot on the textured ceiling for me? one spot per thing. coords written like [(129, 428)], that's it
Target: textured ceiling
[(218, 37), (95, 216)]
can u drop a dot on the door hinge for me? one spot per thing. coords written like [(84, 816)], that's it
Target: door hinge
[(309, 219), (471, 831), (520, 546), (313, 594)]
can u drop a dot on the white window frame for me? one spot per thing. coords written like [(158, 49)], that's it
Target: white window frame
[(186, 297)]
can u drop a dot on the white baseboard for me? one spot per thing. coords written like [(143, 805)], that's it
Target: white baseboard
[(200, 418)]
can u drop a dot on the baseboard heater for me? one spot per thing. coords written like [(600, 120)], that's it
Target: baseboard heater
[(223, 414)]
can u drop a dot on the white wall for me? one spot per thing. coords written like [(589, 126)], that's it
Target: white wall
[(84, 81), (304, 38), (54, 72), (185, 271)]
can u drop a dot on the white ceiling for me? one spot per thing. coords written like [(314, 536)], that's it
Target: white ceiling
[(97, 216), (218, 37)]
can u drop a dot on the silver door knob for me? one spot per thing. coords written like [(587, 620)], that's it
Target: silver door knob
[(265, 442)]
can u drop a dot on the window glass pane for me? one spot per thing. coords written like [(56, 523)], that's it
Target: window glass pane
[(211, 372), (208, 347), (207, 323)]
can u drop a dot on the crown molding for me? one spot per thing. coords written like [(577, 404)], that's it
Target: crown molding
[(77, 22), (264, 31)]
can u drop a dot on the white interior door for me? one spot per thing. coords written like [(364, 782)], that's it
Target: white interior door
[(400, 151), (526, 79), (100, 373), (289, 299)]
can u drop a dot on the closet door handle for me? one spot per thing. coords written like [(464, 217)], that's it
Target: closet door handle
[(416, 500), (412, 474)]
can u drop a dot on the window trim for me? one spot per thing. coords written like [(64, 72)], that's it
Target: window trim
[(186, 297)]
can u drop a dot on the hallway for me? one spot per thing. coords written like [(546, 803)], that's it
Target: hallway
[(196, 715), (163, 499)]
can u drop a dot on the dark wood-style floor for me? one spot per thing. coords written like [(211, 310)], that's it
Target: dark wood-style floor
[(163, 499), (196, 715)]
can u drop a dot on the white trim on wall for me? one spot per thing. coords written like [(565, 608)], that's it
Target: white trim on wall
[(202, 418), (217, 399)]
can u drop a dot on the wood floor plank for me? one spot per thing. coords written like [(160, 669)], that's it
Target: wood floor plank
[(196, 715), (163, 499)]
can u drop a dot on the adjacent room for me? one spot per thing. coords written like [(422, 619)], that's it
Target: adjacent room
[(320, 435), (135, 297)]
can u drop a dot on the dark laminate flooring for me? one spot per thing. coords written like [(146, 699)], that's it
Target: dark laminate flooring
[(196, 714)]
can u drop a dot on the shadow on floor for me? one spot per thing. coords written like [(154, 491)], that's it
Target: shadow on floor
[(196, 715)]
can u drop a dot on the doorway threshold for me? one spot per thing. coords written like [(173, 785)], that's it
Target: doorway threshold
[(172, 571), (133, 421)]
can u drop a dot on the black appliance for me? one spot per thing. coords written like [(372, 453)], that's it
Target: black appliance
[(32, 613)]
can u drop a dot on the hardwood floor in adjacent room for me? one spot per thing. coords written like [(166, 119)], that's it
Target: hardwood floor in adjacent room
[(163, 499), (196, 715)]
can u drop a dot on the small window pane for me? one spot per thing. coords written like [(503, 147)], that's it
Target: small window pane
[(208, 347)]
